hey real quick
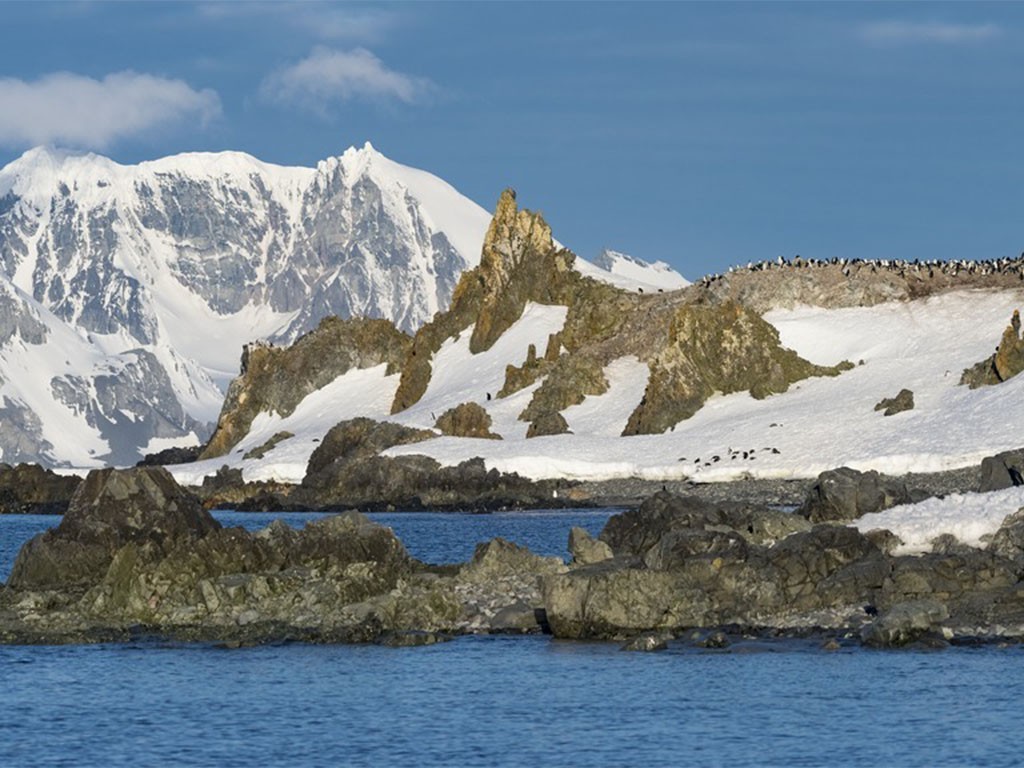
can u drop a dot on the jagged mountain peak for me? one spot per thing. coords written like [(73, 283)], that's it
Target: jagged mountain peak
[(189, 257)]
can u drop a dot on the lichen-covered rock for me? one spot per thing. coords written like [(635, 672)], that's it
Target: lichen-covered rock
[(276, 379), (1008, 541), (1005, 363), (890, 406), (110, 509), (845, 494), (552, 423), (466, 420), (585, 549), (519, 263), (712, 348)]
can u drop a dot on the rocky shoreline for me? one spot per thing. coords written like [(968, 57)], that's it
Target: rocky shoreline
[(137, 556)]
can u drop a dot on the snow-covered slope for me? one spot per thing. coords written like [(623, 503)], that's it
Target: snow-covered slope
[(127, 292), (819, 424), (631, 273)]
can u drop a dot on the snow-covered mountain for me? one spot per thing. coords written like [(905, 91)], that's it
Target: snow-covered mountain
[(631, 273), (127, 292)]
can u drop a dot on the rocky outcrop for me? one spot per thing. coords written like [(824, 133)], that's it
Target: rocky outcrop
[(1004, 470), (844, 494), (676, 567), (276, 379), (110, 509), (716, 348), (28, 488), (347, 471), (466, 420), (520, 263), (680, 564), (1005, 363), (890, 406)]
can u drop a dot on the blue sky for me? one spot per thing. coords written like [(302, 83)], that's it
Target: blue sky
[(702, 134)]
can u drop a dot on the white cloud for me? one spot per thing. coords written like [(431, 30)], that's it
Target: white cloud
[(328, 75), (76, 110), (896, 32)]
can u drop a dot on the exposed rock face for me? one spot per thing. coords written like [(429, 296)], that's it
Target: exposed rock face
[(170, 456), (346, 471), (716, 348), (680, 564), (844, 494), (276, 379), (1005, 363), (585, 549), (1004, 470), (28, 488), (890, 406), (110, 509), (519, 263), (552, 423), (466, 420)]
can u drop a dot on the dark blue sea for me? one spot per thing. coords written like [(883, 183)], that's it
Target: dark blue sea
[(496, 701)]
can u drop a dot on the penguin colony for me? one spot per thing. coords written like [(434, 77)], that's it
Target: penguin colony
[(923, 268)]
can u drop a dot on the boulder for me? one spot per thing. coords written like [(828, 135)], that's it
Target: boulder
[(466, 420), (905, 623), (890, 406), (1008, 541), (844, 494), (1004, 470), (110, 509), (585, 549)]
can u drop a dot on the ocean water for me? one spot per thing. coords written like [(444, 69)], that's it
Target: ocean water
[(496, 701)]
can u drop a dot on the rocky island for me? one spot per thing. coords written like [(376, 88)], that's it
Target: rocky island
[(136, 555)]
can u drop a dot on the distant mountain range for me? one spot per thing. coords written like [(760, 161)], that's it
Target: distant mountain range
[(127, 292)]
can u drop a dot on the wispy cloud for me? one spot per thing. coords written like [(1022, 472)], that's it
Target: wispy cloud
[(322, 21), (72, 109), (905, 32), (329, 76)]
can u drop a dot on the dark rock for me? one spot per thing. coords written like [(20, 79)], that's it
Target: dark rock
[(346, 472), (413, 639), (844, 494), (637, 531), (262, 450), (905, 623), (904, 401), (28, 488), (714, 639), (355, 439), (110, 509), (548, 424), (170, 456), (648, 641), (1004, 470)]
